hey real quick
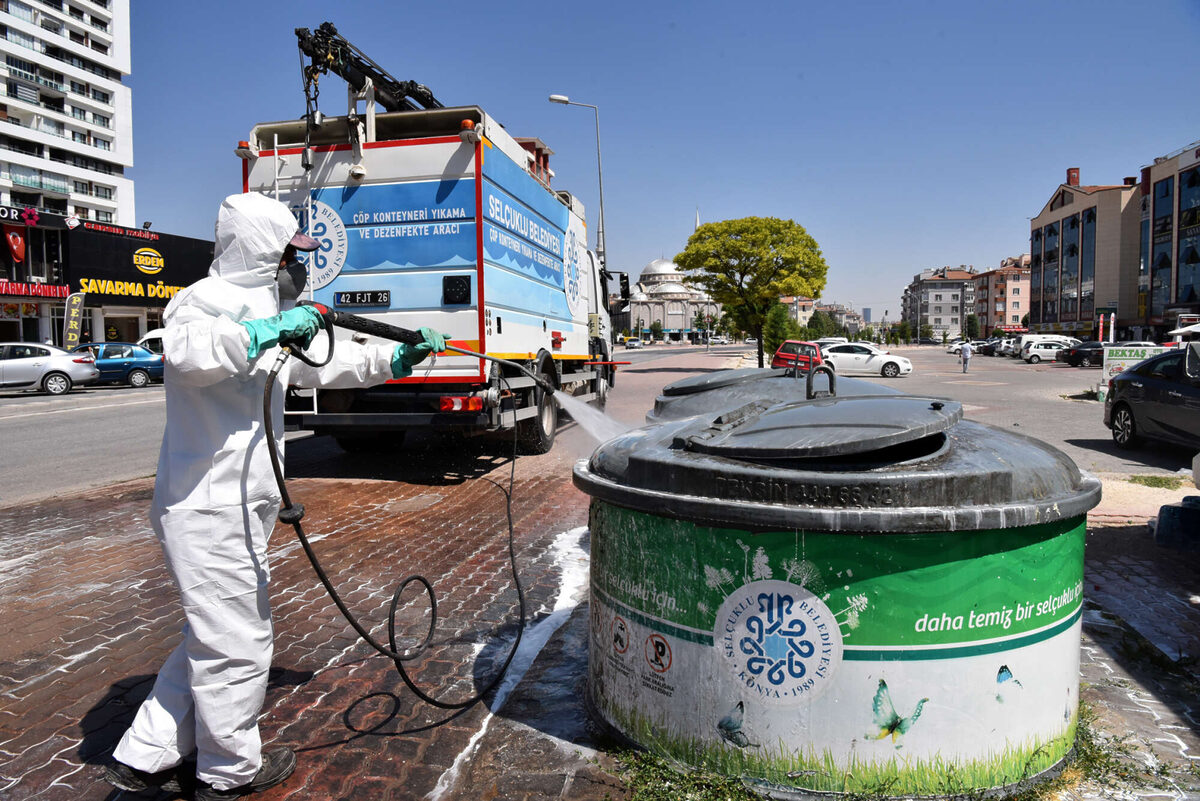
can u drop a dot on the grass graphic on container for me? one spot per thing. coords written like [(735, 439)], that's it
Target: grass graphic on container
[(781, 767)]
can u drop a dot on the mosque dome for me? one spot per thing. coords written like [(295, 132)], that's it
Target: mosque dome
[(660, 270)]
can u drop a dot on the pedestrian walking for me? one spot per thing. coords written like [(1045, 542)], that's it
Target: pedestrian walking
[(964, 355)]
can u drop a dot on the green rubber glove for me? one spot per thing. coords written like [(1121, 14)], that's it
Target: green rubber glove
[(294, 326), (406, 356)]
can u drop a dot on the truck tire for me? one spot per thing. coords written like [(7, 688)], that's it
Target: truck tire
[(536, 434)]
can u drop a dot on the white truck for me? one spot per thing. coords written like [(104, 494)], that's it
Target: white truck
[(433, 216)]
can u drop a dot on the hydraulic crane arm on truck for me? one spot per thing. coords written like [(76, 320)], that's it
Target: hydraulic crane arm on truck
[(330, 52), (434, 216)]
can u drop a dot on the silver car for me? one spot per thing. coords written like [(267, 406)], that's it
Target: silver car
[(27, 365)]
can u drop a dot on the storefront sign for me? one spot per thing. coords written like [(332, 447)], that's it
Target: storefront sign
[(1118, 359), (73, 320), (119, 230), (117, 268), (33, 290)]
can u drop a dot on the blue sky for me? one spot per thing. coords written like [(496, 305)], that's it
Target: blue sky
[(902, 135)]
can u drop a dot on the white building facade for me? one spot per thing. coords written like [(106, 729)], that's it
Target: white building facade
[(69, 133)]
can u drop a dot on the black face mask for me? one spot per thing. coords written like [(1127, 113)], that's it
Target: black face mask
[(292, 277)]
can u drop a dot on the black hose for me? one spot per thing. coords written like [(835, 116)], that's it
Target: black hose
[(292, 513)]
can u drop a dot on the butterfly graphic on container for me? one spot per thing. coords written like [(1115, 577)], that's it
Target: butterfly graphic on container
[(887, 719), (730, 727), (1005, 682)]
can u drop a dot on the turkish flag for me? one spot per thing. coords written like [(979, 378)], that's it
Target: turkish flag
[(16, 242)]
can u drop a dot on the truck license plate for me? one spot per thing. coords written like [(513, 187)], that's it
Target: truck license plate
[(371, 297)]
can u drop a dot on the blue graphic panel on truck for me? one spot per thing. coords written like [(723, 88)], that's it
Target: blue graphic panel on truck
[(500, 170), (370, 233)]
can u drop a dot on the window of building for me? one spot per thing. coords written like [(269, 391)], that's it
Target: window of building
[(954, 296), (1087, 266), (81, 187), (103, 144), (1016, 318), (1160, 277), (937, 297), (75, 12), (79, 88), (78, 113), (100, 119), (82, 212), (1164, 206), (1016, 290), (100, 48), (1068, 308), (104, 216), (937, 320), (103, 192), (1016, 304), (1188, 278), (100, 96), (79, 137)]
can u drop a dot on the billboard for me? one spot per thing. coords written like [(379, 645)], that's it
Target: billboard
[(123, 266)]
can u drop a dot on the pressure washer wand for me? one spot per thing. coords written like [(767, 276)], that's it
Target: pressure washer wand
[(395, 333)]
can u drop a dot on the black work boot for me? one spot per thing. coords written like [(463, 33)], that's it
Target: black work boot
[(132, 780), (277, 765)]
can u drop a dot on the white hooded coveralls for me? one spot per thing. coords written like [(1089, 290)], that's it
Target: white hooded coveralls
[(215, 498)]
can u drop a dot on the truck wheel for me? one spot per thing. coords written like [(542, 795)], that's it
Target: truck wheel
[(379, 442), (536, 434)]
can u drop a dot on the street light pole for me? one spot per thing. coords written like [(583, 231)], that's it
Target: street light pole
[(600, 250)]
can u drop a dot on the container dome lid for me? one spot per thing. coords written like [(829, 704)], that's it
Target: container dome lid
[(721, 378), (825, 427)]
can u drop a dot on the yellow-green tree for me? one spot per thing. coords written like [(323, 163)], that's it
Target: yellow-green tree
[(748, 263)]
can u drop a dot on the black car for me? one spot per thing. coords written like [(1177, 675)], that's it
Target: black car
[(989, 348), (1158, 398), (928, 341), (1085, 354)]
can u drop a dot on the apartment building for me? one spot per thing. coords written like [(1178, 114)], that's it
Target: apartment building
[(941, 298), (799, 308), (1084, 258), (1002, 296), (1167, 272), (69, 133)]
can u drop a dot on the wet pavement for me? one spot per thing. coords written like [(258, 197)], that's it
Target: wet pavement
[(90, 614)]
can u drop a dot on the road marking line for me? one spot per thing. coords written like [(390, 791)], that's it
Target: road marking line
[(81, 408)]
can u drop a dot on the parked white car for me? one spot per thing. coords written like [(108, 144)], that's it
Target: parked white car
[(28, 365), (860, 358), (1045, 350)]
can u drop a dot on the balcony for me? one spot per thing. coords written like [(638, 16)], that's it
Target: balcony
[(46, 184)]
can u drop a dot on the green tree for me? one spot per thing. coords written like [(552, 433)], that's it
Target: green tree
[(656, 330), (746, 264), (972, 332), (927, 331), (778, 328), (822, 325), (902, 331), (998, 333)]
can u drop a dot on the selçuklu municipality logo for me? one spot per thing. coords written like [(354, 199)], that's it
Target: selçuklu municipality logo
[(327, 228), (781, 641), (571, 278)]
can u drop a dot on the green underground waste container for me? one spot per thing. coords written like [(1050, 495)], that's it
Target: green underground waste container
[(839, 595)]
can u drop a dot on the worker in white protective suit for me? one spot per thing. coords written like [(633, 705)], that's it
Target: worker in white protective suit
[(215, 500)]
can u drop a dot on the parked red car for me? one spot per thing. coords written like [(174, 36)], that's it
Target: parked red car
[(808, 354)]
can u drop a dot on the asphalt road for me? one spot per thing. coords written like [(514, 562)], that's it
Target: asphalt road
[(98, 436)]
